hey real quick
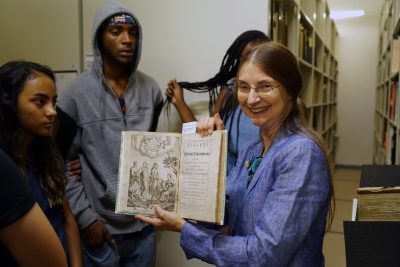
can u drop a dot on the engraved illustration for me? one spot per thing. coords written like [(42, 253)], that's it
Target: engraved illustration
[(152, 173)]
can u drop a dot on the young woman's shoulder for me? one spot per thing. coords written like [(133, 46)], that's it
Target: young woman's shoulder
[(15, 196)]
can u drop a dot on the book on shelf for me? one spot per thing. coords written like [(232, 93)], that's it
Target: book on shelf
[(184, 173), (316, 89), (391, 148), (385, 100), (301, 40), (388, 148), (325, 91), (275, 23), (392, 101), (305, 42), (395, 57), (384, 137), (309, 48), (279, 23), (378, 203)]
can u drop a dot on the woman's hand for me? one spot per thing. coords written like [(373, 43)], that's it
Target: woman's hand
[(165, 220), (175, 92), (207, 125)]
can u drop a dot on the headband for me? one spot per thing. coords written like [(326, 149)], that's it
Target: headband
[(120, 19)]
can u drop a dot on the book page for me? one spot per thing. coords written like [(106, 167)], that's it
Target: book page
[(354, 209), (148, 170), (378, 189), (220, 213), (199, 177)]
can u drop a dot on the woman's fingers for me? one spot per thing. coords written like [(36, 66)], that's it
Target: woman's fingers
[(206, 126), (165, 220), (156, 222)]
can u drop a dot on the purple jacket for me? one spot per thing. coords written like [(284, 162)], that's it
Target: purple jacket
[(279, 219)]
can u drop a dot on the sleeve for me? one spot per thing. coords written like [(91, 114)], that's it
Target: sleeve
[(69, 143), (16, 198), (66, 131), (299, 197), (79, 203)]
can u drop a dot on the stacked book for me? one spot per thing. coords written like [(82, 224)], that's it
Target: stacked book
[(378, 203)]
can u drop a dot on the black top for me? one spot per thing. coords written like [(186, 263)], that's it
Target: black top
[(16, 199)]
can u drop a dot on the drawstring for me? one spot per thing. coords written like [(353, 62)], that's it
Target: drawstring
[(102, 108)]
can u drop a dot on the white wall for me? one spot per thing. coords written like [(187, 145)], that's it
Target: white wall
[(45, 31), (358, 54), (186, 40)]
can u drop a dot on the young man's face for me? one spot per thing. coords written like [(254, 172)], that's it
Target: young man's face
[(119, 42)]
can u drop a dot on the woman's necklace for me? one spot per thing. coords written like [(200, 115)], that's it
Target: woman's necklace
[(252, 165)]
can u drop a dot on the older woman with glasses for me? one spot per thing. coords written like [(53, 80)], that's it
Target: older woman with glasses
[(279, 193)]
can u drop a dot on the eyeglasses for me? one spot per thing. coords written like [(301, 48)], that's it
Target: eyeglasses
[(231, 86), (262, 89)]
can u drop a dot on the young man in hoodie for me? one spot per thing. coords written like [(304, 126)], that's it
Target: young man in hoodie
[(111, 97)]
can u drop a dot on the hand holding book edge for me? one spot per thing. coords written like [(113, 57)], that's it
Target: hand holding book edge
[(206, 126), (164, 220)]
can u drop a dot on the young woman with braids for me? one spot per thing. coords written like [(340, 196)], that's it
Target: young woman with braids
[(239, 126), (27, 114)]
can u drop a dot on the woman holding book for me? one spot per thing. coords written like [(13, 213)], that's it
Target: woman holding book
[(279, 193), (27, 114)]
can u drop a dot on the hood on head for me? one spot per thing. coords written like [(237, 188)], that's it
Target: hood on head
[(111, 8)]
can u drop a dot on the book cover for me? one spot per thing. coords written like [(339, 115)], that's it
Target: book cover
[(378, 203)]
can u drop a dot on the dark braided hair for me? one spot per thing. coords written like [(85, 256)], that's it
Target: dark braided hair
[(227, 71)]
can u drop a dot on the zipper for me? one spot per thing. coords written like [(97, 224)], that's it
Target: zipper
[(122, 106), (121, 103)]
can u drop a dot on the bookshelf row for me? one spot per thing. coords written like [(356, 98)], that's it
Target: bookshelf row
[(305, 27), (387, 101)]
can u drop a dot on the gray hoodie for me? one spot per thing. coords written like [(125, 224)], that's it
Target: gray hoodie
[(90, 102)]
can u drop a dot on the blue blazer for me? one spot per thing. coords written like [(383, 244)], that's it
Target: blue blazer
[(279, 219)]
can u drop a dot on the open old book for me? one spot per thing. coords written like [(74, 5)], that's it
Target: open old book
[(184, 173)]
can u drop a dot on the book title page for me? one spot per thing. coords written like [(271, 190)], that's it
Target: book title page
[(198, 181)]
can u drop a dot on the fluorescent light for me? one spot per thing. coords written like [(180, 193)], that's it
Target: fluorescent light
[(346, 14)]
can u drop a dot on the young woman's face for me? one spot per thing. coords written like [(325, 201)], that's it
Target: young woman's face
[(36, 105), (269, 110)]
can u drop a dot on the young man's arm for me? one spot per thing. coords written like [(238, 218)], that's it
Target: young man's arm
[(68, 140), (72, 234)]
